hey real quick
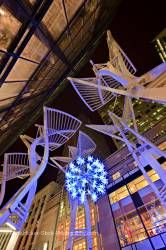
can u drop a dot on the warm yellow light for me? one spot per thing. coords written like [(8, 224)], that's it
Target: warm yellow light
[(5, 230), (2, 12), (11, 226), (45, 246)]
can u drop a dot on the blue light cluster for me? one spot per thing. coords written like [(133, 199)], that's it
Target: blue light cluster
[(86, 177)]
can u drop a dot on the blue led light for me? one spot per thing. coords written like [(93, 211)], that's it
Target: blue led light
[(86, 177)]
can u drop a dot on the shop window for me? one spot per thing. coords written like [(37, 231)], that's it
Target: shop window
[(129, 228), (80, 220), (119, 194), (128, 220), (140, 182), (154, 217)]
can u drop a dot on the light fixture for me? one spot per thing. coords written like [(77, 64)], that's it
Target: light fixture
[(2, 12), (10, 225), (86, 177)]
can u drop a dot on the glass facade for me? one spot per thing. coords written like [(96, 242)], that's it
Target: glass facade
[(40, 43), (147, 116), (9, 27), (160, 44), (137, 212)]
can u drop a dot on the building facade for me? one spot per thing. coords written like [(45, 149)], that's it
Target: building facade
[(28, 236), (129, 217), (139, 216), (160, 44), (48, 223), (147, 115)]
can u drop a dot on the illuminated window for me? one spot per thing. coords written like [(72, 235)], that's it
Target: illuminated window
[(9, 27), (130, 228), (119, 194), (92, 214), (164, 165), (80, 245), (162, 146), (153, 175), (116, 176), (80, 220), (94, 242), (67, 227), (60, 232), (61, 213), (140, 182), (133, 186)]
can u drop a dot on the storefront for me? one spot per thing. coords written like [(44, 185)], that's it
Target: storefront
[(138, 214)]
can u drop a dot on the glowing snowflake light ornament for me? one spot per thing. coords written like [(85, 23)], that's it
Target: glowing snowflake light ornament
[(86, 177)]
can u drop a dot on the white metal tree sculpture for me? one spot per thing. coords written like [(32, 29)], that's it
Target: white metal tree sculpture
[(118, 60), (16, 165), (85, 146), (94, 91), (85, 176), (58, 128), (150, 86), (116, 77), (143, 151)]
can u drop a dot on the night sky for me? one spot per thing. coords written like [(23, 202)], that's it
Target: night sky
[(134, 27)]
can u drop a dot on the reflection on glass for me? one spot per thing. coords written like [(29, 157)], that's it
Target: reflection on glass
[(72, 6), (81, 244), (133, 186), (119, 194), (22, 70), (128, 220), (129, 226), (154, 217), (130, 229), (140, 182), (35, 49), (55, 19), (9, 27)]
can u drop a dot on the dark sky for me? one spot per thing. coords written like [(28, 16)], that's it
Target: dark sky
[(135, 25)]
